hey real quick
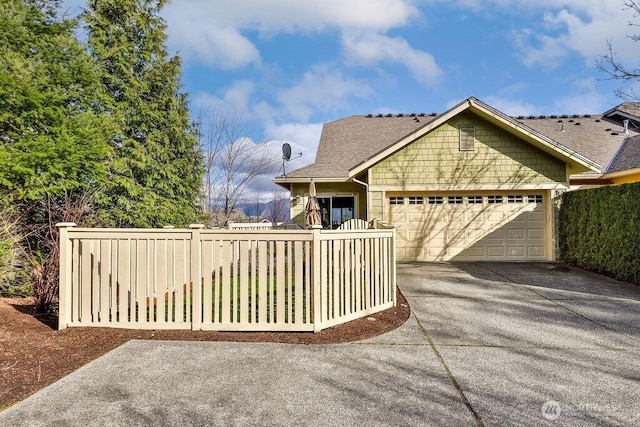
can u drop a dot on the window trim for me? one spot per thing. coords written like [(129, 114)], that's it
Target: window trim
[(467, 137)]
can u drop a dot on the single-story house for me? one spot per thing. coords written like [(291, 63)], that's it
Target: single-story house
[(471, 183)]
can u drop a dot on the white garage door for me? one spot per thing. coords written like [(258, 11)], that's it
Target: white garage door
[(469, 226)]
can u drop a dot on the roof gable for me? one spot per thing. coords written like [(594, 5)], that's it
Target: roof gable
[(577, 162)]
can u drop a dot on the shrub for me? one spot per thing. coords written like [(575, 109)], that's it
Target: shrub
[(599, 229)]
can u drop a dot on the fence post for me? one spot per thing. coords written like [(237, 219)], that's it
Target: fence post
[(392, 261), (196, 276), (316, 279), (65, 274)]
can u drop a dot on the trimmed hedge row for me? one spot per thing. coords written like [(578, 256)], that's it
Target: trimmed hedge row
[(599, 229)]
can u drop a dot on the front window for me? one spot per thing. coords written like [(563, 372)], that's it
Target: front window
[(336, 210)]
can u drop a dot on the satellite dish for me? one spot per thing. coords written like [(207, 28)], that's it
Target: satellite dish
[(286, 151)]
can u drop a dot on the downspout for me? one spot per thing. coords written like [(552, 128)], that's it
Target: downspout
[(366, 187)]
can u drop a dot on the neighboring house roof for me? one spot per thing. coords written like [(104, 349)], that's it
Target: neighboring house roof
[(593, 142), (627, 156), (626, 110), (591, 135)]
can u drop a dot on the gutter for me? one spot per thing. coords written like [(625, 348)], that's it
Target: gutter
[(364, 184)]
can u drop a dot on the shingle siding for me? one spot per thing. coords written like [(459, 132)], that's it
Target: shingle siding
[(498, 157)]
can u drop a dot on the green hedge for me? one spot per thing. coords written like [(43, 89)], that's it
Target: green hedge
[(599, 229)]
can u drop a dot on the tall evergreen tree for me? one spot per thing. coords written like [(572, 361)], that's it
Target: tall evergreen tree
[(53, 138), (156, 169)]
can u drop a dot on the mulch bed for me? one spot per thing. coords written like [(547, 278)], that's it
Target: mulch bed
[(34, 354)]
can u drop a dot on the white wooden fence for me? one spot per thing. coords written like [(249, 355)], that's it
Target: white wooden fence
[(257, 280)]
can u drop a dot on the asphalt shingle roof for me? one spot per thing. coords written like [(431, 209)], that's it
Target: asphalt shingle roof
[(348, 142), (592, 136), (628, 156)]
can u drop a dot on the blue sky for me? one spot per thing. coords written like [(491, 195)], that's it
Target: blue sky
[(290, 65)]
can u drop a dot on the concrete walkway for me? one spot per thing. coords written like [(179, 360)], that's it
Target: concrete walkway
[(487, 344)]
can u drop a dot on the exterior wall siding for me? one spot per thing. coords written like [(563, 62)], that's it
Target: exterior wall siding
[(498, 158), (377, 204)]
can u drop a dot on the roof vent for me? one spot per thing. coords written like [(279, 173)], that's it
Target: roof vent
[(412, 114), (380, 115), (571, 120), (520, 117), (597, 120), (554, 116), (626, 126), (369, 115), (400, 114), (575, 116), (564, 116), (389, 115), (542, 117), (560, 121), (433, 114), (587, 115), (614, 133), (421, 114), (607, 129), (577, 123), (532, 117)]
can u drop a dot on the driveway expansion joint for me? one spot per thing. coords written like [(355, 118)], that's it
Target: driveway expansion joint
[(452, 378)]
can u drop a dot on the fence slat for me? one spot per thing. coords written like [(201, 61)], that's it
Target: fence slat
[(243, 288), (263, 286), (225, 279), (298, 293), (280, 283), (208, 302)]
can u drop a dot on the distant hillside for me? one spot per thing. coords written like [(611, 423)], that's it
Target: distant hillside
[(277, 208)]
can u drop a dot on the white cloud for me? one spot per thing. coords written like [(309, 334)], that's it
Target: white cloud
[(558, 27), (322, 89), (303, 138), (511, 107), (212, 32), (372, 48), (213, 45), (584, 98), (234, 99)]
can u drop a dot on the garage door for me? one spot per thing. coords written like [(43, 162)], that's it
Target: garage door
[(466, 226)]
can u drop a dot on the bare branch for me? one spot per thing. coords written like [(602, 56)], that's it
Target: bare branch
[(232, 162), (613, 67)]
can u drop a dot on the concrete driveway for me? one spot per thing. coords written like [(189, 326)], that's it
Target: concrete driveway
[(487, 344)]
